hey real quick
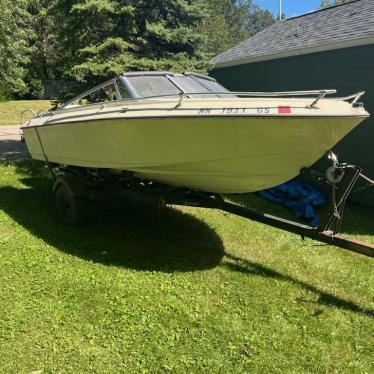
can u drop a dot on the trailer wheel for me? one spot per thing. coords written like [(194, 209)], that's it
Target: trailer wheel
[(70, 208)]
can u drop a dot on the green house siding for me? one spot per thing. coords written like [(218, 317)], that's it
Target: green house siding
[(348, 70)]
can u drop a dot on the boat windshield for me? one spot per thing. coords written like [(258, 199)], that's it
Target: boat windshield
[(150, 85), (104, 94), (144, 86), (212, 85), (190, 86)]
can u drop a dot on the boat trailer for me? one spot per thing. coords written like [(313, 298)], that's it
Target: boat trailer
[(74, 186)]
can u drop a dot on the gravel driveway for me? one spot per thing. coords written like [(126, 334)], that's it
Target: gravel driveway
[(11, 146)]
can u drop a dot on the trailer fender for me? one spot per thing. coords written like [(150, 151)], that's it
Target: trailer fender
[(73, 183)]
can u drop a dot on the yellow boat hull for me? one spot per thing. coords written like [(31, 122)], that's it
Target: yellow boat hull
[(215, 154)]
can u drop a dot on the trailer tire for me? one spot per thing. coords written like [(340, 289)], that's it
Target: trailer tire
[(71, 209)]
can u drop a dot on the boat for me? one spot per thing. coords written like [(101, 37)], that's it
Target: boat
[(187, 130)]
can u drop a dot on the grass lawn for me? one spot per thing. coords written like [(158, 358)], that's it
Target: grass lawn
[(202, 292), (10, 111)]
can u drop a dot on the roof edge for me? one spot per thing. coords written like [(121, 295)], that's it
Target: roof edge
[(346, 43)]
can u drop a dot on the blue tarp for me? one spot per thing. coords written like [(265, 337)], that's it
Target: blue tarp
[(298, 196)]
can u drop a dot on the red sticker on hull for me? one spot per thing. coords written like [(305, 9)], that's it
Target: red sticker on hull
[(284, 109)]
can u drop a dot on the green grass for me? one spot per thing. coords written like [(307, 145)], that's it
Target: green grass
[(202, 291), (10, 111)]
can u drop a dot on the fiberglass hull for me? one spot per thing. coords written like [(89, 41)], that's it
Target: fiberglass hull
[(221, 154)]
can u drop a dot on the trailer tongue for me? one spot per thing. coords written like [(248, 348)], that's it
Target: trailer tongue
[(329, 228), (305, 231)]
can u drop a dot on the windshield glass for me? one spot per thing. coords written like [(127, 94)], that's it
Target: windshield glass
[(122, 90), (147, 86), (189, 85), (212, 85), (102, 95)]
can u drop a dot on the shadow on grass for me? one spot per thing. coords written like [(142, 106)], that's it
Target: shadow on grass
[(31, 168), (325, 298), (358, 220), (128, 235)]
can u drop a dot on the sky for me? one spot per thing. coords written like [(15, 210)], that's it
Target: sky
[(291, 8)]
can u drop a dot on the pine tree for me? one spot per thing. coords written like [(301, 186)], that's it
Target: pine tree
[(44, 49), (14, 49), (103, 38)]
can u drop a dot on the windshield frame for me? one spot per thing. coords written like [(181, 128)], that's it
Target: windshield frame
[(170, 76), (135, 95)]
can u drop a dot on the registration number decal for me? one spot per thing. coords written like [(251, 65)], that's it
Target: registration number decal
[(233, 111), (206, 111)]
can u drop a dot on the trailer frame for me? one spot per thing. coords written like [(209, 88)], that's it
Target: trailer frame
[(73, 186)]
